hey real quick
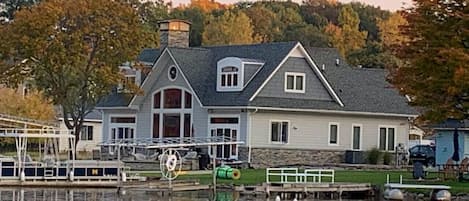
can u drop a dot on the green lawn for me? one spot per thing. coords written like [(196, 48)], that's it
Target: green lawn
[(257, 176)]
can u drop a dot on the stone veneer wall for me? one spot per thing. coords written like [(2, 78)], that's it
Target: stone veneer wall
[(278, 157)]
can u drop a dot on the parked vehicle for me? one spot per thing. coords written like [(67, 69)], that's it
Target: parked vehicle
[(423, 153)]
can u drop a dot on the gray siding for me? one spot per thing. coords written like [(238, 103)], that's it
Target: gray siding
[(314, 89), (249, 71)]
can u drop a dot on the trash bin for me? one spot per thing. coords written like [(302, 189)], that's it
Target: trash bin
[(418, 171), (204, 159)]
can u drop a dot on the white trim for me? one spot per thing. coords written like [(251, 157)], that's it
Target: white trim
[(313, 110), (337, 124), (387, 143), (295, 75), (314, 67), (360, 143), (85, 120), (280, 137), (116, 108)]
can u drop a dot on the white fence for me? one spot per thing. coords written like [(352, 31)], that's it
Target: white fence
[(293, 175)]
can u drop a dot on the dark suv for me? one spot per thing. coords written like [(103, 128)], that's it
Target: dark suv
[(423, 153)]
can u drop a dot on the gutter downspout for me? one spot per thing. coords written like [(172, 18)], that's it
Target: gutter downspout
[(250, 134)]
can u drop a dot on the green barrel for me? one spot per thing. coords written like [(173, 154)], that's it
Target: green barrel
[(226, 172)]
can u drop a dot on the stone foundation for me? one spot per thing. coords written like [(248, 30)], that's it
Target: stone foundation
[(280, 157)]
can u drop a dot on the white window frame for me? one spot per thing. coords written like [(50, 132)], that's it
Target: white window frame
[(85, 128), (124, 125), (295, 75), (236, 127), (181, 111), (360, 143), (169, 75), (288, 131), (395, 137), (230, 62), (329, 134)]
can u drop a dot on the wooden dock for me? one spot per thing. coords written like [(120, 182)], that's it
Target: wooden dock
[(303, 190), (60, 184)]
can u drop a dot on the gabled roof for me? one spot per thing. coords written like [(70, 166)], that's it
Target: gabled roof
[(360, 90)]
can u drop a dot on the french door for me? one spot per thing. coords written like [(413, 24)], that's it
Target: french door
[(231, 133)]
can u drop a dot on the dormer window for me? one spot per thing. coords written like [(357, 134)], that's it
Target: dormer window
[(234, 73), (229, 76)]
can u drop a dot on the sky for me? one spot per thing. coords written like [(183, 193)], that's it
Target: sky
[(384, 4)]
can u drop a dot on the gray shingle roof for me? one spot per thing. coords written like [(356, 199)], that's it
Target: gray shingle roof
[(361, 90)]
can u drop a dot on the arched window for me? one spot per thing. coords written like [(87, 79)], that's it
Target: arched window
[(172, 113)]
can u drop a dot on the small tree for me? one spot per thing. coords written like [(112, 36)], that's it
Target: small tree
[(71, 50)]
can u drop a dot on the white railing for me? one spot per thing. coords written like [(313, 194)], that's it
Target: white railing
[(292, 175), (35, 133)]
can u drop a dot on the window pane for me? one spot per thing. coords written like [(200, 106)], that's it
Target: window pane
[(299, 82), (333, 134), (156, 125), (275, 131), (390, 138), (187, 125), (172, 98), (188, 101), (229, 69), (223, 120), (356, 137), (223, 80), (156, 100), (235, 79), (122, 119), (171, 125), (228, 80), (113, 133), (90, 132), (382, 138), (121, 133), (290, 79), (284, 132)]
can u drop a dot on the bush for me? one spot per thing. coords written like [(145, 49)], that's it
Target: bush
[(373, 156), (387, 157)]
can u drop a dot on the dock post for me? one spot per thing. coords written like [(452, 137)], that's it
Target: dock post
[(214, 166)]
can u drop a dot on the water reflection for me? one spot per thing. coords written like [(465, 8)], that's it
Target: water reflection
[(68, 194)]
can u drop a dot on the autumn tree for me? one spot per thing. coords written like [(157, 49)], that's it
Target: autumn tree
[(32, 105), (206, 5), (389, 33), (229, 29), (436, 71), (72, 50), (347, 37), (9, 7), (197, 17), (264, 22)]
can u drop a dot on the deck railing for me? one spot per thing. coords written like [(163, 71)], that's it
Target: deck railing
[(293, 175)]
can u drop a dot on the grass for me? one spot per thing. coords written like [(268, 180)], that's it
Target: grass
[(378, 177)]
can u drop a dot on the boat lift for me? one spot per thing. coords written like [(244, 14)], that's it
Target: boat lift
[(170, 159)]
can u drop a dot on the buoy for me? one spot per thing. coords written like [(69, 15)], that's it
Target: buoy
[(443, 195), (124, 177), (277, 198), (395, 194), (22, 176), (295, 199), (71, 176)]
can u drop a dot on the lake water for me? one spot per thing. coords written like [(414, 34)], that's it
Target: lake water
[(51, 194)]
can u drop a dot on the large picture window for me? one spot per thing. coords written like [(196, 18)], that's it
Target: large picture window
[(172, 113), (386, 138), (279, 131)]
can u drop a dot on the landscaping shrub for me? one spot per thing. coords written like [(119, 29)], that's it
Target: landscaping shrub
[(373, 156), (387, 157)]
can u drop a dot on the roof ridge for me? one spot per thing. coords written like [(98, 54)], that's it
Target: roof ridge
[(252, 44)]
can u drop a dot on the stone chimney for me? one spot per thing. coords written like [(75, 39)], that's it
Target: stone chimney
[(174, 33)]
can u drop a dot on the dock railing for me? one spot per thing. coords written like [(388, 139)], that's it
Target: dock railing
[(293, 175)]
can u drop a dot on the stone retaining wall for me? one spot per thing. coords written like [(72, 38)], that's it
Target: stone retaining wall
[(278, 157)]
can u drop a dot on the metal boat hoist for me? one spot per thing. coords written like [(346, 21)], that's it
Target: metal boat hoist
[(170, 159)]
